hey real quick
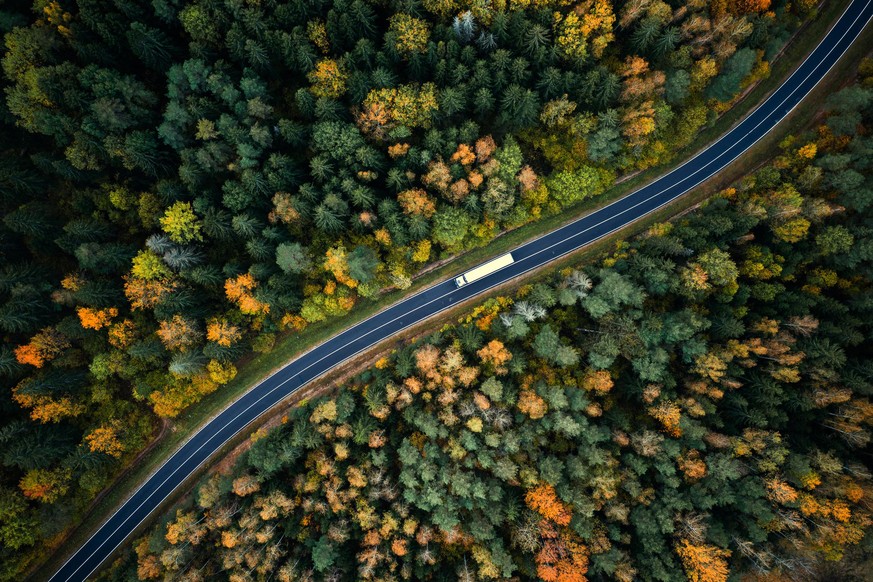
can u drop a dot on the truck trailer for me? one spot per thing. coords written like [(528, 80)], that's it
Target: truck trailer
[(484, 270)]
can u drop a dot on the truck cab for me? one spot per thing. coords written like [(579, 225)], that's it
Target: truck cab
[(460, 281)]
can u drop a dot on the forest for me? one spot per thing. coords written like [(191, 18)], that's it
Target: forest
[(694, 404), (183, 184)]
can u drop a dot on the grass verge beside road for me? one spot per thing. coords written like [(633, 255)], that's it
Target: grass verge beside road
[(289, 347)]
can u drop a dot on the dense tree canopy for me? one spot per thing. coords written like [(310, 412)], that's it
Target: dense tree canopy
[(693, 405), (181, 182)]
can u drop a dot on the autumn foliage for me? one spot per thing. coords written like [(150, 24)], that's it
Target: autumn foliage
[(544, 501), (562, 557), (409, 105), (96, 318), (45, 485), (105, 440), (494, 354), (223, 332), (185, 183), (42, 348), (417, 201), (240, 291), (177, 333), (598, 381), (145, 294), (328, 79), (703, 563), (46, 409), (668, 414)]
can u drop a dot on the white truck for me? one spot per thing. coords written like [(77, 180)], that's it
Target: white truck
[(485, 269)]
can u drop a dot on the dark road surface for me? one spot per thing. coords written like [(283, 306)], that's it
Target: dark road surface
[(441, 296)]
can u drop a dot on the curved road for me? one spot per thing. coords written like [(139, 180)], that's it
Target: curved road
[(426, 303)]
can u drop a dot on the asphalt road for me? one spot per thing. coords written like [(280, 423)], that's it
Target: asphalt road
[(443, 295)]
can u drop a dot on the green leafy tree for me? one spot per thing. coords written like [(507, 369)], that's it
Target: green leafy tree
[(450, 227), (180, 222), (567, 188)]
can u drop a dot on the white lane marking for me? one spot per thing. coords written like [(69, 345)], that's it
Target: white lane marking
[(529, 243)]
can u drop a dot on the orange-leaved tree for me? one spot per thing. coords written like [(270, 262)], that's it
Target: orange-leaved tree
[(42, 348), (240, 291), (545, 501), (703, 563), (91, 318), (105, 439)]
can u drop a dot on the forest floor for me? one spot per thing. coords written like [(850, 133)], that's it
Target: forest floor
[(289, 347)]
